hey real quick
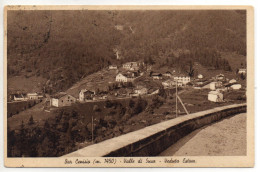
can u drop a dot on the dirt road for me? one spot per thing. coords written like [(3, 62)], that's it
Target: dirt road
[(224, 138)]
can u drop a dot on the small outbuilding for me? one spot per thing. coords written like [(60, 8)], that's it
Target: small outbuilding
[(232, 81), (236, 86), (215, 96), (200, 76), (112, 67)]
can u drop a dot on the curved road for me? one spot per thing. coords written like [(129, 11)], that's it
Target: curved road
[(224, 138)]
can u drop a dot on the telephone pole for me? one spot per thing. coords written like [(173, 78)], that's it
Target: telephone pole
[(92, 126), (176, 99)]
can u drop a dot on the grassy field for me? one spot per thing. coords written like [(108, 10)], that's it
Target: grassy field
[(96, 80), (14, 108), (26, 85), (37, 112)]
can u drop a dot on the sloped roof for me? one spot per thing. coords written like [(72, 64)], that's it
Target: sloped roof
[(215, 92), (59, 95), (156, 74)]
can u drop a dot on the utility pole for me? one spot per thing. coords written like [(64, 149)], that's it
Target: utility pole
[(176, 99), (92, 129)]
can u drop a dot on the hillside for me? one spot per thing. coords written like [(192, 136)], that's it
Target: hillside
[(65, 46)]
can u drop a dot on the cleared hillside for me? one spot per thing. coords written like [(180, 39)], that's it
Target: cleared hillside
[(64, 46)]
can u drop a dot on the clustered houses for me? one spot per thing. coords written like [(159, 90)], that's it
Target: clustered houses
[(25, 97), (62, 99)]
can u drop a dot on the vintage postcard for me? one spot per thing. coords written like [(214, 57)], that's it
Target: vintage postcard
[(129, 86)]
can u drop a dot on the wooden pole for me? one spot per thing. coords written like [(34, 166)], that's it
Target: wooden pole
[(92, 129), (183, 105), (176, 99)]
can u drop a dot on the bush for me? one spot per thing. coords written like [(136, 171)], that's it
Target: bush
[(31, 121), (108, 104)]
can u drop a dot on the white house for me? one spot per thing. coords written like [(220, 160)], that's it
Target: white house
[(112, 67), (156, 75), (232, 81), (131, 66), (169, 83), (182, 79), (126, 77), (167, 74), (212, 86), (215, 96), (200, 76), (85, 94), (62, 99), (34, 96), (236, 86), (220, 77), (20, 97), (141, 91), (242, 71)]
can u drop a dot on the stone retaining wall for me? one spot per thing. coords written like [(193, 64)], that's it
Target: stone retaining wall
[(152, 140)]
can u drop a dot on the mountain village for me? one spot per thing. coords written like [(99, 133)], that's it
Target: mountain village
[(131, 81)]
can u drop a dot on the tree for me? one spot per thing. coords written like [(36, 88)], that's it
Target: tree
[(31, 121), (96, 108), (190, 71), (131, 103)]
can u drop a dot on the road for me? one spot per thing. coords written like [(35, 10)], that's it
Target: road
[(224, 138)]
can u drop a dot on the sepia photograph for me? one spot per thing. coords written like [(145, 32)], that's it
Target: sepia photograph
[(133, 86)]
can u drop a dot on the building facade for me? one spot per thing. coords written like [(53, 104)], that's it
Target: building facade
[(85, 95), (215, 96), (34, 96), (62, 99), (182, 79)]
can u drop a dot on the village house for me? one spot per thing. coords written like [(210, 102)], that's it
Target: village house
[(214, 85), (232, 81), (85, 95), (168, 84), (182, 79), (156, 75), (131, 66), (20, 97), (236, 86), (62, 99), (215, 96), (220, 77), (34, 96), (153, 91), (242, 71), (126, 77), (112, 67), (167, 74), (140, 90), (200, 76)]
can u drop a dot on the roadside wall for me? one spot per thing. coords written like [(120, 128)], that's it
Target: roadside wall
[(152, 140)]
